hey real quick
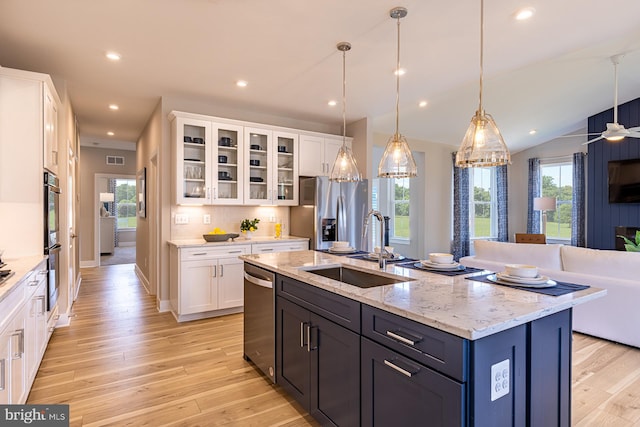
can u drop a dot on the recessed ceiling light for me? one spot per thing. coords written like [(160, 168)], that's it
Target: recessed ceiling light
[(422, 104), (241, 83), (533, 132), (332, 103), (110, 133), (114, 56), (113, 107), (401, 71), (524, 13)]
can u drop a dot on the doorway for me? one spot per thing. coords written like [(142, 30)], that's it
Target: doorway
[(116, 220)]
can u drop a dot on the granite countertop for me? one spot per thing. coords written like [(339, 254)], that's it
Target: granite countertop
[(185, 243), (21, 267), (466, 308)]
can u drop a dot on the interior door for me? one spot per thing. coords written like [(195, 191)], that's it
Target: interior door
[(73, 249)]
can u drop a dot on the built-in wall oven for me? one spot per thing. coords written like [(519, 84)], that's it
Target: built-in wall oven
[(259, 321), (51, 230)]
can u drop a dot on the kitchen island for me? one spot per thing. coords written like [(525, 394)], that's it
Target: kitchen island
[(428, 349)]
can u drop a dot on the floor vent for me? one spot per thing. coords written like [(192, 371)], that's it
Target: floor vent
[(115, 160)]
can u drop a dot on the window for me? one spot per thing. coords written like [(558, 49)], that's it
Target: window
[(483, 221), (401, 199), (557, 181), (126, 203)]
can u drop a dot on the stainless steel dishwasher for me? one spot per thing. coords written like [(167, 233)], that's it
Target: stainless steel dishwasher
[(259, 319)]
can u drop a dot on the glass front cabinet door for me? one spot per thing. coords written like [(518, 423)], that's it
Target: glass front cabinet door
[(192, 153), (286, 168), (259, 166), (228, 165)]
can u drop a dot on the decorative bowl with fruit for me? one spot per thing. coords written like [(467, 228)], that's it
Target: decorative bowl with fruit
[(218, 235)]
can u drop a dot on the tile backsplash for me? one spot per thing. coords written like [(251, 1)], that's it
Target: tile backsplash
[(227, 218)]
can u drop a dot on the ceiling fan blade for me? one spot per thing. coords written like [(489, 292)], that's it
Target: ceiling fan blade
[(635, 129), (579, 134), (593, 140)]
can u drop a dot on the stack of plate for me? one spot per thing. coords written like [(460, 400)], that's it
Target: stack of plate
[(342, 250), (428, 265), (529, 282)]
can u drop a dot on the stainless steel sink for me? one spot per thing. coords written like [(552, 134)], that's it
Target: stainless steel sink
[(359, 278)]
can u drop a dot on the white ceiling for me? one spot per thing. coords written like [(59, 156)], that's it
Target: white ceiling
[(549, 73)]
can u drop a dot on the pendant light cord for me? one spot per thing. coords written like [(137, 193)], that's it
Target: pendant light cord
[(344, 98), (398, 81), (615, 90), (481, 50)]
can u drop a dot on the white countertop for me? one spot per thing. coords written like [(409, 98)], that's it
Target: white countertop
[(465, 308), (186, 243), (21, 267)]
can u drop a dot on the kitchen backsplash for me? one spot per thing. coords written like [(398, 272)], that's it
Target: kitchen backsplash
[(227, 218)]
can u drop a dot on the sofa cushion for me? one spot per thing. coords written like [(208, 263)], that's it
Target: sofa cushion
[(543, 256), (614, 264)]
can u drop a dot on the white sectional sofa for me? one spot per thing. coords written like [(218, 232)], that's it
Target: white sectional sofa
[(615, 317)]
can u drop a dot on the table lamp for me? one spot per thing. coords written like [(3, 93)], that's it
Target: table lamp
[(105, 199), (544, 204)]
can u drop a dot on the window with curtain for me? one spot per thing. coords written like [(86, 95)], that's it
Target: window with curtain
[(557, 181), (483, 212), (401, 211)]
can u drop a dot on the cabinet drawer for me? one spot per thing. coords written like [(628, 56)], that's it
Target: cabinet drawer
[(189, 254), (436, 349), (338, 309), (279, 247)]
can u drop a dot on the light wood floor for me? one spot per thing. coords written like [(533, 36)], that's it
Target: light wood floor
[(122, 363)]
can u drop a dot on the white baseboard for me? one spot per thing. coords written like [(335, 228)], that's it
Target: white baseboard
[(143, 278), (78, 283), (88, 264), (164, 306)]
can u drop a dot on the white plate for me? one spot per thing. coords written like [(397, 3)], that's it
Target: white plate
[(342, 250), (547, 284), (439, 265), (374, 256), (525, 280), (458, 267)]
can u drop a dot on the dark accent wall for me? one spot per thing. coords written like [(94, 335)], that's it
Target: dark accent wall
[(602, 216)]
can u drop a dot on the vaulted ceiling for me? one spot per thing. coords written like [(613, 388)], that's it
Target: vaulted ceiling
[(548, 73)]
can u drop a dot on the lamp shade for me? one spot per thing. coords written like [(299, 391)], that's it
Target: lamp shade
[(107, 197), (544, 203), (397, 160), (483, 145)]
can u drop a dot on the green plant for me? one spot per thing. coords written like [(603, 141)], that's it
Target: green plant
[(249, 224), (631, 246)]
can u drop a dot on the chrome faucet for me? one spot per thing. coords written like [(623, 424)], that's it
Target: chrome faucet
[(382, 261)]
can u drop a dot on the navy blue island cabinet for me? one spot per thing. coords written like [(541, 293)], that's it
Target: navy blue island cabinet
[(350, 364)]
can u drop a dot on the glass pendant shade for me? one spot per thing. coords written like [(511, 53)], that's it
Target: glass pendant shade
[(397, 160), (483, 144), (345, 168)]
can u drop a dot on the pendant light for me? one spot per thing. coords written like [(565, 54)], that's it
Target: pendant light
[(397, 160), (483, 144), (344, 168)]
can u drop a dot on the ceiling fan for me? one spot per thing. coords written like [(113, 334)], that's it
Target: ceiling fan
[(615, 131)]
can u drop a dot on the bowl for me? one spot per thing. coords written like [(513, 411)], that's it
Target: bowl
[(255, 147), (441, 258), (222, 159), (341, 244), (521, 270), (219, 237), (187, 139), (198, 140), (225, 142), (254, 162), (282, 149)]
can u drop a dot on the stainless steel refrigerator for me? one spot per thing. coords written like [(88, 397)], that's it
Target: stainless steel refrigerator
[(330, 211)]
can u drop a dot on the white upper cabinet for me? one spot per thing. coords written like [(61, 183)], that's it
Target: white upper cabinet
[(50, 113), (192, 147), (286, 171), (259, 165), (228, 165), (317, 154)]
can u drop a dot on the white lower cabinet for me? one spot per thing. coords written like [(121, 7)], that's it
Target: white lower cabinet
[(263, 248), (206, 282)]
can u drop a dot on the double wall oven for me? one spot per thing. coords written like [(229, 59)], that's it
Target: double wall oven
[(51, 230)]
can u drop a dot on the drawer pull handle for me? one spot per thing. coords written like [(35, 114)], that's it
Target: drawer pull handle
[(309, 348), (409, 341), (399, 369), (199, 254), (266, 250), (235, 252), (302, 325)]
